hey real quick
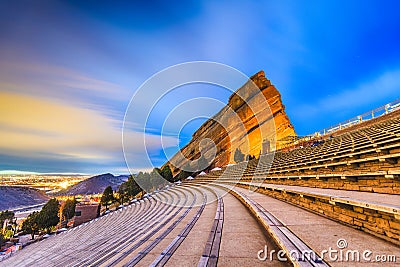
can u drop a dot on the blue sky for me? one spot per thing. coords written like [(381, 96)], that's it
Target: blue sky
[(69, 68)]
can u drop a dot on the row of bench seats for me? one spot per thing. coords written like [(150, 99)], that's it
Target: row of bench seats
[(96, 242), (126, 236), (364, 159), (368, 153)]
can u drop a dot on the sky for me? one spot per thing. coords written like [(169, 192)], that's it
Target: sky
[(68, 69)]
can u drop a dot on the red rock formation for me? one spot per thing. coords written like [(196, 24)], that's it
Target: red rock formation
[(254, 113)]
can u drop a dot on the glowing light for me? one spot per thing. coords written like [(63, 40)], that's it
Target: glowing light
[(64, 184)]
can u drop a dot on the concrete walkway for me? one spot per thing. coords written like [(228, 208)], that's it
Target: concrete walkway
[(321, 234), (242, 237)]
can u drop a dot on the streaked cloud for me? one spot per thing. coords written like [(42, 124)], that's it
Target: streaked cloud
[(69, 68), (43, 128), (55, 81), (384, 86)]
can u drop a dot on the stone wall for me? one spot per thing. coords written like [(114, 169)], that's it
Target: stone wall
[(374, 184), (85, 213)]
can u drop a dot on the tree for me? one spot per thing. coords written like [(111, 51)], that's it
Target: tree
[(143, 179), (250, 157), (122, 193), (108, 197), (182, 175), (158, 170), (68, 211), (2, 239), (202, 164), (146, 179), (157, 179), (167, 173), (132, 187), (6, 215), (14, 226), (8, 233), (31, 224), (48, 216), (238, 156)]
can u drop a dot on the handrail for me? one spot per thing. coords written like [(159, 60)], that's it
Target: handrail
[(383, 110), (375, 113)]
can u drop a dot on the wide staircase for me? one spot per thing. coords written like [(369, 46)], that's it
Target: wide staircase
[(336, 203)]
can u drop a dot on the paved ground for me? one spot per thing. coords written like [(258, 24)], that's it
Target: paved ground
[(122, 236), (321, 233), (242, 237)]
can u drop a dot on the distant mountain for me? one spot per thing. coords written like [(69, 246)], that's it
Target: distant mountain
[(94, 185), (12, 197)]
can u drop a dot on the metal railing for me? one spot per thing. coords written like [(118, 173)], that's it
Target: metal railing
[(383, 110)]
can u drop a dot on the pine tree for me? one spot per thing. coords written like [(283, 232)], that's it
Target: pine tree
[(48, 216), (167, 173), (68, 211), (108, 197), (31, 224), (202, 164), (238, 156)]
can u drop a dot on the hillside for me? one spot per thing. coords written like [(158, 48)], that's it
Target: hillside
[(94, 185), (12, 197)]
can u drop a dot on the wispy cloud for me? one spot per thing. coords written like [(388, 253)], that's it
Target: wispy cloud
[(380, 88), (53, 80), (83, 61), (42, 129)]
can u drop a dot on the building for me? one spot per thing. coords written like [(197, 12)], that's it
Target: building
[(85, 213)]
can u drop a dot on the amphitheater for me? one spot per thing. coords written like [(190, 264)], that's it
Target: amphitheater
[(333, 204)]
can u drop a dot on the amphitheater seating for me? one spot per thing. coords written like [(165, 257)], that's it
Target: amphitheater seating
[(361, 164), (302, 201), (72, 247), (363, 154), (153, 230)]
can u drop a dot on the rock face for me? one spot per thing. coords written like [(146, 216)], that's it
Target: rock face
[(253, 121)]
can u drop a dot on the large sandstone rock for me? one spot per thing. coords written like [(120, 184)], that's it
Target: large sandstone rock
[(254, 115)]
